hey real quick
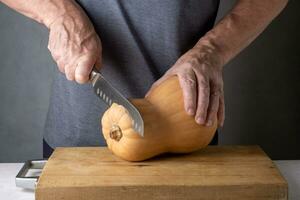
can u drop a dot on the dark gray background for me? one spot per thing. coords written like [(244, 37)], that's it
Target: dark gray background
[(261, 87)]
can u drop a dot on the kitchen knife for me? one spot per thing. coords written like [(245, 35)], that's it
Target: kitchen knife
[(107, 93)]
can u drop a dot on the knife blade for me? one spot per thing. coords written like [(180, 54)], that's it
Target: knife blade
[(107, 93)]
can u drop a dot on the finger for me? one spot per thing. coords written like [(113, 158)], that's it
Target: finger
[(157, 83), (55, 55), (70, 72), (221, 111), (203, 99), (213, 104), (188, 83), (50, 45), (61, 65), (98, 63), (84, 68)]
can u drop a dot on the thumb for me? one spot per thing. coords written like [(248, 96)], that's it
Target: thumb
[(84, 68), (98, 63)]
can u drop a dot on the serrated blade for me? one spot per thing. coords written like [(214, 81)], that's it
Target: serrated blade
[(107, 93)]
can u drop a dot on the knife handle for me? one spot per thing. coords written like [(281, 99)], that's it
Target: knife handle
[(94, 73)]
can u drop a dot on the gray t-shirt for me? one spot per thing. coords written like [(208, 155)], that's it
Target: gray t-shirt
[(141, 39)]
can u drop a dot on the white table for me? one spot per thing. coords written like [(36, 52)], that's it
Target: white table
[(8, 171)]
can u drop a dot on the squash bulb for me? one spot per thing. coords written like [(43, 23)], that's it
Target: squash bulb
[(167, 127)]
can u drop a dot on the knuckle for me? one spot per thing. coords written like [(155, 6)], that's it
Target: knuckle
[(217, 79), (216, 90), (218, 86), (204, 84), (203, 102), (55, 56), (188, 81), (204, 91), (215, 93), (194, 61)]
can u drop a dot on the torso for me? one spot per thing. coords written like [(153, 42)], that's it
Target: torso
[(141, 40)]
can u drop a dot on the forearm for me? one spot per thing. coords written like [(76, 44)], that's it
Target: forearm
[(241, 26), (44, 11)]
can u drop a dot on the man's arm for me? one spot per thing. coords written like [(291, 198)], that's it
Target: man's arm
[(73, 42), (241, 26), (200, 69)]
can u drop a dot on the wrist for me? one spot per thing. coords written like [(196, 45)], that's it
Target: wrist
[(57, 10), (209, 48), (74, 22)]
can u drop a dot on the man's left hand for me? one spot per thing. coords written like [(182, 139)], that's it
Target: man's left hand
[(200, 76)]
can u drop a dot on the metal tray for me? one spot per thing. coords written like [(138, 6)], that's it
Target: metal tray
[(29, 182)]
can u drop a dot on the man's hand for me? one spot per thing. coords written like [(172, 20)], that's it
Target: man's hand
[(200, 76), (73, 42), (200, 69), (75, 46)]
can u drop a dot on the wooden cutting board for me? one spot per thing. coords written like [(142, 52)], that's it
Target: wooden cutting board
[(217, 172)]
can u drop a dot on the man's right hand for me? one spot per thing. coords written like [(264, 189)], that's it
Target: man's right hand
[(73, 42), (75, 46)]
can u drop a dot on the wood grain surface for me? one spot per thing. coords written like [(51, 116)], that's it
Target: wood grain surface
[(216, 172)]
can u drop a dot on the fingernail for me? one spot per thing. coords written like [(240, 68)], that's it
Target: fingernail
[(209, 123), (190, 111), (200, 120)]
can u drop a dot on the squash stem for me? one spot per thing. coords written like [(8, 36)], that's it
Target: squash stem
[(115, 133)]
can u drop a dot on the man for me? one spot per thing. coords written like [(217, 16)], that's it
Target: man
[(142, 41)]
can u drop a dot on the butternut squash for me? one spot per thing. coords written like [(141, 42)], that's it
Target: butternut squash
[(167, 127)]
